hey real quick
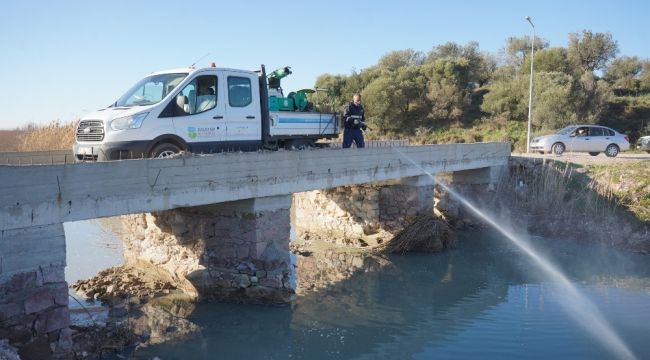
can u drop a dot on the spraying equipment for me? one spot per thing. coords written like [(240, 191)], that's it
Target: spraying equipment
[(294, 101)]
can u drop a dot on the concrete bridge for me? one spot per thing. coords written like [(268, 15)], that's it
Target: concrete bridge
[(221, 222)]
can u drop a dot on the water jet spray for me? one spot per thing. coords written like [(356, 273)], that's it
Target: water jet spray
[(577, 305)]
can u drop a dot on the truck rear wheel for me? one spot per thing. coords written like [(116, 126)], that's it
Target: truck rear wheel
[(164, 150)]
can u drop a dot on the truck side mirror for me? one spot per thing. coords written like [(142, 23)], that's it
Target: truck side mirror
[(183, 103)]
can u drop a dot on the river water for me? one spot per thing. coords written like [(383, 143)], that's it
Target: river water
[(483, 299)]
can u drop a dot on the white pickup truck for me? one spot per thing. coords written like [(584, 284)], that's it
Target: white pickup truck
[(204, 110)]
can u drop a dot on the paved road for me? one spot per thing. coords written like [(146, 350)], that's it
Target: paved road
[(584, 158)]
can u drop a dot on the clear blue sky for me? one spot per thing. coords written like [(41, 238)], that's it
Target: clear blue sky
[(62, 59)]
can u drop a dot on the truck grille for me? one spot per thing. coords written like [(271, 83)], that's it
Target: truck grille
[(90, 130)]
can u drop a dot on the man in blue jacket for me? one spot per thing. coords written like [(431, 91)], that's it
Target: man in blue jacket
[(355, 121)]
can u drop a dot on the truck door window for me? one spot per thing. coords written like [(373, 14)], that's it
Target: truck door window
[(239, 91), (201, 94)]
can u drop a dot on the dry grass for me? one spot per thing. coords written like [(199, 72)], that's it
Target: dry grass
[(9, 139), (628, 183), (52, 136), (558, 189), (427, 233)]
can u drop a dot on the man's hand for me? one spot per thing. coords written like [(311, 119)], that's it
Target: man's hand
[(356, 122)]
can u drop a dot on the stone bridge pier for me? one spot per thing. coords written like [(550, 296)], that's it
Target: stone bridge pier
[(362, 215), (34, 313), (235, 251)]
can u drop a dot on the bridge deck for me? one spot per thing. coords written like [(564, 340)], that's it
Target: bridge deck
[(50, 194)]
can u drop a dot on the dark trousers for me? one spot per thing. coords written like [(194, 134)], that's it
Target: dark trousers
[(355, 135)]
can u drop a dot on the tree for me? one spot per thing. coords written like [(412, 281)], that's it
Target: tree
[(558, 99), (592, 98), (394, 60), (553, 105), (334, 86), (448, 88), (508, 98), (385, 104), (590, 51), (644, 79), (549, 60), (623, 73), (480, 65), (518, 48)]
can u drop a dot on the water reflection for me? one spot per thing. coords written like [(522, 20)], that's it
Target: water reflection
[(481, 300), (92, 246)]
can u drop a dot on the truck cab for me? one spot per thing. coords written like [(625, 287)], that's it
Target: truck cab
[(203, 110)]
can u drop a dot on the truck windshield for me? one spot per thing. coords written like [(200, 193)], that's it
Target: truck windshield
[(150, 90)]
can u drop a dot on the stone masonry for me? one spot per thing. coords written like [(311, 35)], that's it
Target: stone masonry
[(34, 314), (362, 215), (477, 185), (234, 251)]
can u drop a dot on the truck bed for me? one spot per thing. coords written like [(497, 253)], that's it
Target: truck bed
[(287, 123)]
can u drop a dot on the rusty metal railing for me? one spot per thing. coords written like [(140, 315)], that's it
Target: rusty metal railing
[(37, 157)]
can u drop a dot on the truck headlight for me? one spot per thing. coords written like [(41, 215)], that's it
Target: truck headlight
[(129, 122)]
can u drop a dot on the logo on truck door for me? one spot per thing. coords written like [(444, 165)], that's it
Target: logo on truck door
[(191, 132), (202, 132)]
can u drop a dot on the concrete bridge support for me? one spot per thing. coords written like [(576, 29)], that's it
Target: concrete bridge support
[(362, 215), (234, 251), (34, 313)]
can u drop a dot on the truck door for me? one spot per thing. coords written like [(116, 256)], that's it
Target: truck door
[(201, 123), (243, 109)]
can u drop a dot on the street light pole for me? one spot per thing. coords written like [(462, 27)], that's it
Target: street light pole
[(530, 95)]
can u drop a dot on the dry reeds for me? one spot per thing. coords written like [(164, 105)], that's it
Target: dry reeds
[(9, 139), (557, 189), (426, 234), (52, 136)]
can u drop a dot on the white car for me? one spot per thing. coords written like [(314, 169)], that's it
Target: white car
[(593, 139), (643, 143)]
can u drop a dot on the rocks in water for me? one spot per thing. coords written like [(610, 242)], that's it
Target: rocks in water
[(8, 352), (121, 282)]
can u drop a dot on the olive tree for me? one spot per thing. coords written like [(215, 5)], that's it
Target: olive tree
[(589, 51), (644, 78), (623, 73), (518, 48)]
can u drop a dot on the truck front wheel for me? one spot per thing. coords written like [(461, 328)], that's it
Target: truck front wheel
[(164, 150)]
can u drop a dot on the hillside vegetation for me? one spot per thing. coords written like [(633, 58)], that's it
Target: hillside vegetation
[(458, 93)]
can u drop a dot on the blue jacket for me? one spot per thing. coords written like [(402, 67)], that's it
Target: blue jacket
[(351, 110)]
